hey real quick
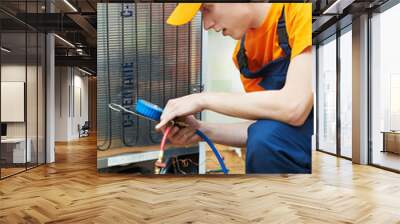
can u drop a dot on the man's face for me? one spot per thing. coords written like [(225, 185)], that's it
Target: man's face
[(231, 18)]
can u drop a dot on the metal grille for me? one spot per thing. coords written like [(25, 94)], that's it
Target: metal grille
[(140, 56)]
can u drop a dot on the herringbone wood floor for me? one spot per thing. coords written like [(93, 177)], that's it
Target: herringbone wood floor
[(71, 191)]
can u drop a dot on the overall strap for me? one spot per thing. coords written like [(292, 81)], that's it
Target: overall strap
[(283, 35), (283, 43)]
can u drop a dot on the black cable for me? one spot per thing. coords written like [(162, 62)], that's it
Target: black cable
[(176, 61), (101, 147), (123, 70), (37, 90), (189, 58), (163, 34), (150, 72), (26, 86), (0, 92), (137, 69)]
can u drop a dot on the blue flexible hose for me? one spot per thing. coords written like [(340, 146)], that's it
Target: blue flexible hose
[(212, 146), (154, 112)]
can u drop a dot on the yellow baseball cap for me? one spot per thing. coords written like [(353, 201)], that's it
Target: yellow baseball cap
[(183, 13)]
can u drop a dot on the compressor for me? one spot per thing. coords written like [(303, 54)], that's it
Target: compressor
[(153, 112)]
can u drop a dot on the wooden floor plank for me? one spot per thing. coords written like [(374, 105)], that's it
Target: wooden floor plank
[(71, 191)]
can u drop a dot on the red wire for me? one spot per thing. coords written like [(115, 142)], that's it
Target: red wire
[(164, 139), (162, 147)]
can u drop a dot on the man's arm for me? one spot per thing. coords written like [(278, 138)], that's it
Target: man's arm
[(227, 134), (291, 104)]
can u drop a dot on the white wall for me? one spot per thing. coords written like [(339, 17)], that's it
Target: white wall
[(13, 101), (61, 103), (70, 83), (220, 74), (80, 83), (33, 127), (14, 73)]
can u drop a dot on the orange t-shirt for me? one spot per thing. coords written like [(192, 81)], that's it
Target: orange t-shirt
[(262, 44)]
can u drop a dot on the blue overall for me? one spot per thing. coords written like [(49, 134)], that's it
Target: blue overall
[(274, 146)]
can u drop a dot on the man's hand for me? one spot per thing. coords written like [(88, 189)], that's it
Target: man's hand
[(182, 136), (181, 107), (185, 135)]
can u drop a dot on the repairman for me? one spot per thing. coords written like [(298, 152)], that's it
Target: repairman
[(273, 55)]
